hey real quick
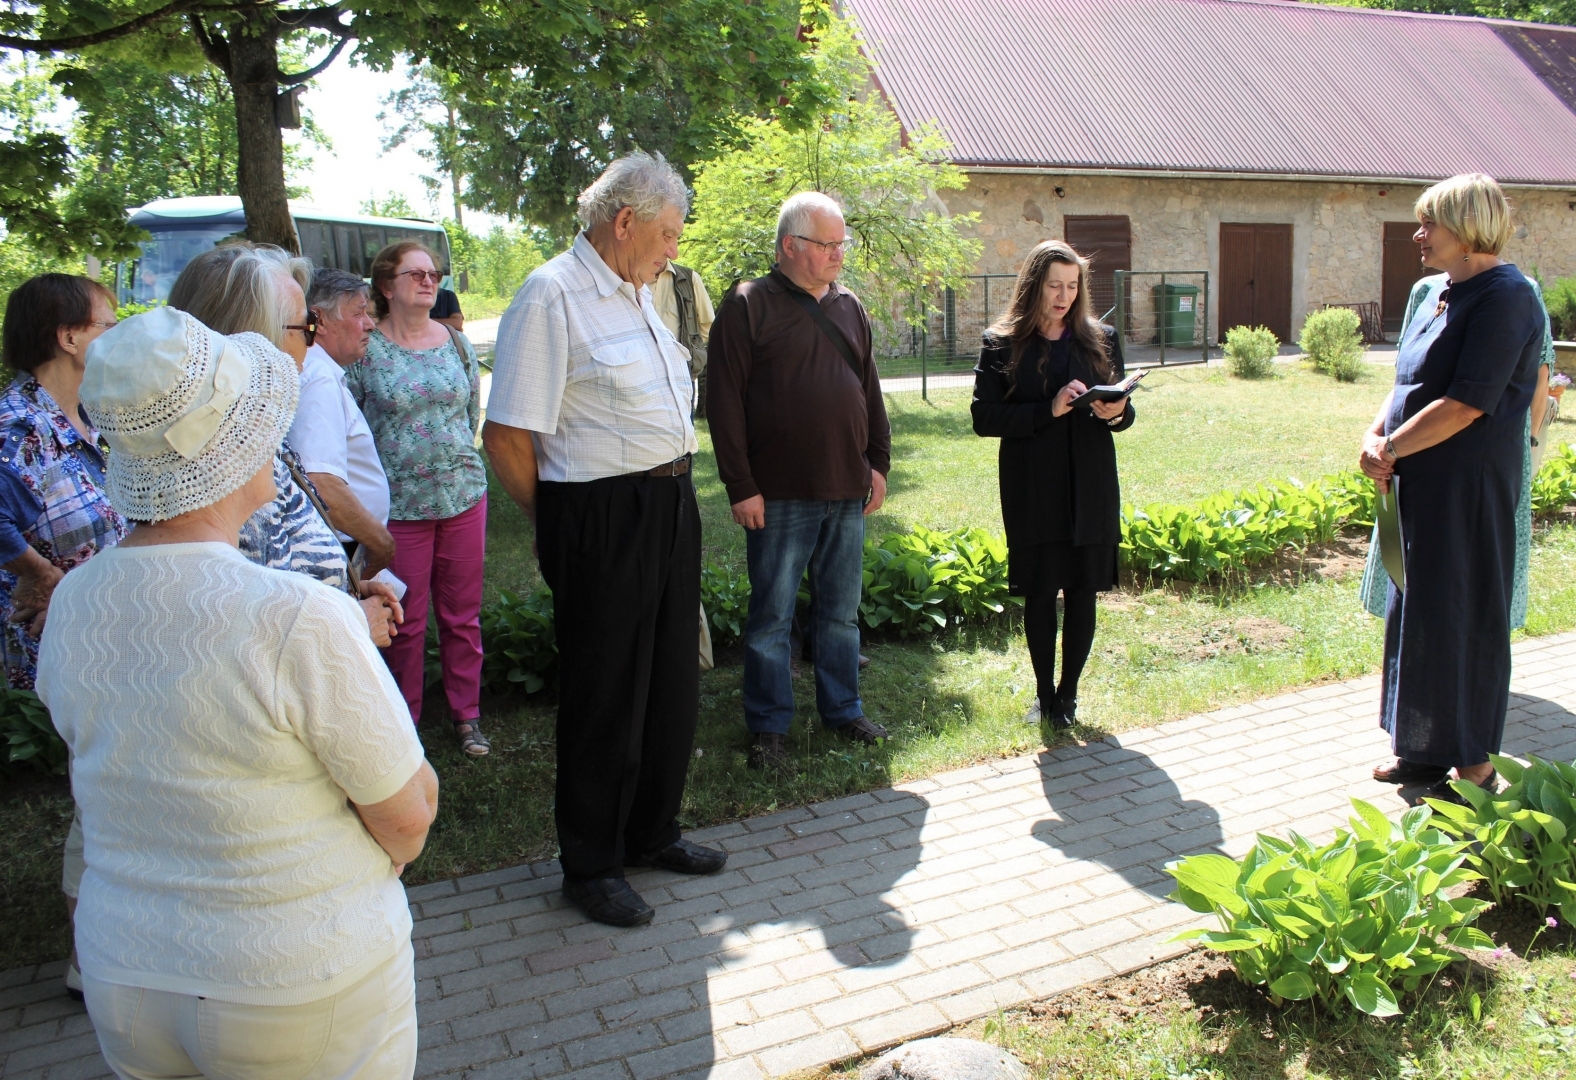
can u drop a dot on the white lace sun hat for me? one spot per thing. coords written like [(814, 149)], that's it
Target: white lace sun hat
[(189, 414)]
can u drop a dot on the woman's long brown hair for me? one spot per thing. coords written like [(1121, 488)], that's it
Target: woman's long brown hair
[(1020, 323)]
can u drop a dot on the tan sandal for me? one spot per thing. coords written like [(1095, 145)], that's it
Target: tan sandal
[(472, 742)]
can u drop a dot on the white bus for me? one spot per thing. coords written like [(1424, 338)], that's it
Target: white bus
[(182, 229)]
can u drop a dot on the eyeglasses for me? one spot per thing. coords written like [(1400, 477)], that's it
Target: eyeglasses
[(828, 246), (106, 325), (418, 276), (308, 329)]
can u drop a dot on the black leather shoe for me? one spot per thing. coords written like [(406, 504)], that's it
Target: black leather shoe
[(862, 730), (1401, 771), (609, 900), (768, 751), (684, 857)]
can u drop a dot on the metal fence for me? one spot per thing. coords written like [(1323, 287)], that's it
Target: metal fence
[(942, 349), (1162, 315)]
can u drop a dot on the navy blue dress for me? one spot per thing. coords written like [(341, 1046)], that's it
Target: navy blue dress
[(1447, 638)]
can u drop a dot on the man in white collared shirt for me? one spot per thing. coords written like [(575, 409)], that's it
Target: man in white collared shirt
[(588, 428)]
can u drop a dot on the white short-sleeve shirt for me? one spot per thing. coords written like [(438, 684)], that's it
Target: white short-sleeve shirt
[(331, 436), (584, 362)]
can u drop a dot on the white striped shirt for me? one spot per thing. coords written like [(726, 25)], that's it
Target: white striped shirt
[(584, 362)]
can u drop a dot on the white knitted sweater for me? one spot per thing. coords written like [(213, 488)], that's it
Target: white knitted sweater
[(218, 715)]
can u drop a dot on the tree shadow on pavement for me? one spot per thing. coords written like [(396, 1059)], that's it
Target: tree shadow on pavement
[(1117, 808)]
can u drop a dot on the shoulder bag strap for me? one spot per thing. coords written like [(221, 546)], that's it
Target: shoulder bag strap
[(304, 482), (829, 328)]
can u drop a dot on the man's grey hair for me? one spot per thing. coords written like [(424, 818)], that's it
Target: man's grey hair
[(331, 288), (238, 287), (794, 218), (643, 182)]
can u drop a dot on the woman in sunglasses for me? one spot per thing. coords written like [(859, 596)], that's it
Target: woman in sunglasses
[(419, 387), (242, 287)]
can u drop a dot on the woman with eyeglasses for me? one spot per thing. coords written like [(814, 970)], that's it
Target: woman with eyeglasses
[(419, 387)]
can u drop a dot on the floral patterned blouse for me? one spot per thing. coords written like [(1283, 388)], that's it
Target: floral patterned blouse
[(424, 407), (53, 496)]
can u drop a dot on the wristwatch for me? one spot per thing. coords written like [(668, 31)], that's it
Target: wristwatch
[(1389, 447)]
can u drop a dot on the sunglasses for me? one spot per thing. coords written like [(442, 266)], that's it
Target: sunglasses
[(418, 276), (308, 329)]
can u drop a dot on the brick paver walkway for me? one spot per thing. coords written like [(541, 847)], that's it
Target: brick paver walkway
[(856, 924)]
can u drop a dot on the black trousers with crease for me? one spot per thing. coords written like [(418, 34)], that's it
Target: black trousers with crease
[(622, 556)]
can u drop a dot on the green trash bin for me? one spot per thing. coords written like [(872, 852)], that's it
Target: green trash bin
[(1176, 308)]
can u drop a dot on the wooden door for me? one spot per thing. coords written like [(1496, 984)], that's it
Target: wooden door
[(1402, 267), (1107, 242), (1255, 277)]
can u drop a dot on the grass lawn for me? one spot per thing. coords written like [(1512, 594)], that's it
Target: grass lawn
[(949, 700)]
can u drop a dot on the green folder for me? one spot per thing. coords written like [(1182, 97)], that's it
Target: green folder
[(1392, 545)]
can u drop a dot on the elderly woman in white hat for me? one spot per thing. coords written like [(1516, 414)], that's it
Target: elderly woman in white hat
[(249, 782)]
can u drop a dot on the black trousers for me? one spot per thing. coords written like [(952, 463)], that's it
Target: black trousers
[(622, 556)]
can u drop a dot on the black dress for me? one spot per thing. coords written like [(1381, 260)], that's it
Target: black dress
[(1060, 500), (1447, 638)]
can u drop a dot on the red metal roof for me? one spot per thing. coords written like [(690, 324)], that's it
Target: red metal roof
[(1229, 86)]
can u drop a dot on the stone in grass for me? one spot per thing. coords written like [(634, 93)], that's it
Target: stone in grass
[(945, 1059)]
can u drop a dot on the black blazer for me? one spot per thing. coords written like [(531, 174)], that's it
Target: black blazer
[(1057, 474)]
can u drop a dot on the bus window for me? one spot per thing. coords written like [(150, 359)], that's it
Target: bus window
[(165, 255), (347, 243), (317, 243), (372, 242)]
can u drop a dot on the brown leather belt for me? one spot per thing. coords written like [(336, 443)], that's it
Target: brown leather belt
[(676, 467)]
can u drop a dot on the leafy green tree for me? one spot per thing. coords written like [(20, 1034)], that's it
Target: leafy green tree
[(391, 205), (723, 53), (854, 151)]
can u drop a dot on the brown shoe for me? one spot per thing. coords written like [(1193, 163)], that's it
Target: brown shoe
[(770, 752), (862, 730)]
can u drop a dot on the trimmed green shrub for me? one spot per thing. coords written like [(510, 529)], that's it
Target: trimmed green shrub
[(1332, 339), (1250, 351), (1525, 837), (31, 739), (1560, 299), (1351, 920)]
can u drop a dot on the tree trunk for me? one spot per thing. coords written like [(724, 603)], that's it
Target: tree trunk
[(454, 169), (260, 171)]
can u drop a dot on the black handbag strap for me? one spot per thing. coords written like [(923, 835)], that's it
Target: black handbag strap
[(829, 328)]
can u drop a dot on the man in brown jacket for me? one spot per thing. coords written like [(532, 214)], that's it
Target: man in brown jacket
[(803, 447)]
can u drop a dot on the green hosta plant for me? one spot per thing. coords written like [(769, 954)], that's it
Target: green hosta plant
[(922, 581), (31, 738), (725, 597), (1554, 488), (519, 643), (1526, 835), (1353, 919)]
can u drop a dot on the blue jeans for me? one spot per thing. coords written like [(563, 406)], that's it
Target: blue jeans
[(829, 538)]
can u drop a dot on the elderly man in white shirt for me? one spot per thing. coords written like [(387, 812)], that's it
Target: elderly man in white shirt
[(329, 433), (588, 428)]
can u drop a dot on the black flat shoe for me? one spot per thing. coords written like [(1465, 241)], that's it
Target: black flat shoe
[(683, 857), (1063, 714), (1442, 790), (1401, 771), (609, 900)]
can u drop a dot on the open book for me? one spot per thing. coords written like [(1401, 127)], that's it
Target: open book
[(1115, 392)]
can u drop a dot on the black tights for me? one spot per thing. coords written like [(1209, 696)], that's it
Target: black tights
[(1039, 624)]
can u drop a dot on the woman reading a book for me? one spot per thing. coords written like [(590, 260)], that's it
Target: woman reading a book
[(1057, 464), (1450, 442)]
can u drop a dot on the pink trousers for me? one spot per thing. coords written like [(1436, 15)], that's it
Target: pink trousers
[(442, 561)]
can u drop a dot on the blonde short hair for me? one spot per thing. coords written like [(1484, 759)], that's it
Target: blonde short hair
[(1472, 207), (236, 287)]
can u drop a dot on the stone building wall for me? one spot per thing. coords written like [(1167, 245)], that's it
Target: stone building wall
[(1337, 234)]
